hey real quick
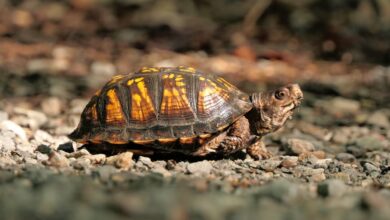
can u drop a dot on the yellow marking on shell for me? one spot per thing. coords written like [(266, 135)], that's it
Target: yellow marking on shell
[(187, 69), (202, 78), (113, 108), (205, 135), (171, 76), (97, 93), (130, 82), (166, 140), (139, 79), (179, 78), (95, 141), (225, 83), (180, 84), (187, 140), (116, 79), (117, 142), (142, 142), (94, 112), (220, 128), (149, 70), (165, 76), (142, 105)]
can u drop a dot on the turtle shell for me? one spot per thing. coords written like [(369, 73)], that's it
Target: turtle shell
[(162, 104)]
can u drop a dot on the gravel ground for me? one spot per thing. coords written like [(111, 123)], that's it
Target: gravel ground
[(331, 161)]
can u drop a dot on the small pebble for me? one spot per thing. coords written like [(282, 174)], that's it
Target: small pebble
[(289, 161), (15, 128), (67, 147), (201, 167), (346, 157), (51, 106), (269, 165), (44, 149), (57, 160), (298, 146), (121, 161), (331, 188)]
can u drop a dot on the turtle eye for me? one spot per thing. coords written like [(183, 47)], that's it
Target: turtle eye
[(280, 94)]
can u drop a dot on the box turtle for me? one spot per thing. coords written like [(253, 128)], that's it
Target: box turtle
[(180, 109)]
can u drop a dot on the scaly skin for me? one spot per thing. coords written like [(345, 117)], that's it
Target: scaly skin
[(270, 112)]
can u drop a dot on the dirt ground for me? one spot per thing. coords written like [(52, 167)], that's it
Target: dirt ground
[(331, 161)]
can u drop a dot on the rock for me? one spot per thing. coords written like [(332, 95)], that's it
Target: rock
[(42, 157), (371, 169), (282, 190), (339, 106), (146, 161), (43, 137), (346, 157), (289, 161), (81, 164), (44, 149), (57, 160), (51, 106), (103, 68), (34, 119), (6, 142), (318, 177), (104, 172), (15, 128), (201, 167), (356, 151), (3, 116), (332, 188), (269, 165), (96, 158), (370, 143), (379, 119), (161, 170), (122, 161), (298, 146), (79, 153), (67, 147)]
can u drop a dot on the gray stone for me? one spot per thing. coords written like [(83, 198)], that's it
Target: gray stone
[(331, 188), (146, 161), (15, 128), (201, 167), (51, 106), (379, 119), (81, 164), (346, 157), (7, 143), (67, 147), (43, 137), (3, 116), (79, 153), (370, 143), (34, 119), (339, 106), (371, 169), (57, 160), (269, 165), (289, 161), (297, 146), (121, 161), (356, 151), (44, 149)]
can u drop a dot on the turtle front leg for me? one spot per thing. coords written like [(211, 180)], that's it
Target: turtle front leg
[(234, 139), (258, 151)]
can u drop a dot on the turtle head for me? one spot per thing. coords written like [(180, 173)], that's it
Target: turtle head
[(273, 108)]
